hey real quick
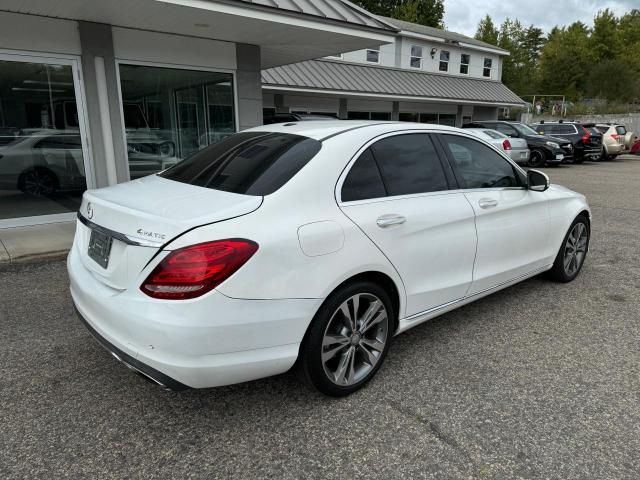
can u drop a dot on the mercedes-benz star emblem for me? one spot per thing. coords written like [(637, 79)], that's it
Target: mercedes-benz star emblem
[(89, 211)]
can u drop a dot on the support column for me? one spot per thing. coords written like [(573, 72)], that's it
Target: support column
[(343, 109), (459, 116), (249, 86), (278, 101), (395, 111), (107, 143)]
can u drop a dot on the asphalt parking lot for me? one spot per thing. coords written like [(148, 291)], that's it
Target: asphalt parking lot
[(538, 381)]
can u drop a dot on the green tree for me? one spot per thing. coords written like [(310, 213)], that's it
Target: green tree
[(622, 87), (565, 60), (423, 12), (605, 37), (487, 31)]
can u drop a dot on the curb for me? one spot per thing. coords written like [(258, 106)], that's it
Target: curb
[(45, 257)]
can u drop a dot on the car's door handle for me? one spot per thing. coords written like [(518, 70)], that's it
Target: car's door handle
[(389, 220), (487, 203)]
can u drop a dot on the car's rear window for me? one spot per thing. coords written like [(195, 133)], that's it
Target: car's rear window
[(493, 134), (251, 163), (621, 130)]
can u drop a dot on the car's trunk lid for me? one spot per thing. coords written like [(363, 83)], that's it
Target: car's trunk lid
[(137, 218)]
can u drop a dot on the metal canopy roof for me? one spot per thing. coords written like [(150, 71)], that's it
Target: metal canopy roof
[(339, 10), (439, 33), (364, 80)]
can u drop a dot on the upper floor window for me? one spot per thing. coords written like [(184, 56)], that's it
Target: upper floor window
[(444, 61), (488, 64), (373, 56), (465, 59), (416, 56)]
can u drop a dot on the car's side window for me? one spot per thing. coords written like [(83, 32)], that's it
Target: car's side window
[(364, 180), (478, 166), (409, 164)]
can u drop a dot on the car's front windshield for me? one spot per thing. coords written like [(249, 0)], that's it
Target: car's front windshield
[(524, 129)]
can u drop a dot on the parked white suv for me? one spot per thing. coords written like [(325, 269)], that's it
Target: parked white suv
[(315, 242)]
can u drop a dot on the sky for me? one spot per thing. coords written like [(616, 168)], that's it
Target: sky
[(462, 16)]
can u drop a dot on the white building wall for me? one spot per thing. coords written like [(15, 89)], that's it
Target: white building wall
[(154, 47), (39, 34), (429, 64), (386, 59), (389, 58)]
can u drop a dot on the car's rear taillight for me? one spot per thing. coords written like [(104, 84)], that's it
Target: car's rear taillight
[(586, 136), (615, 136), (193, 271), (506, 144)]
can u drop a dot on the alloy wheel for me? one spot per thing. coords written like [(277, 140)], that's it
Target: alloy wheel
[(575, 249), (355, 339), (536, 159), (39, 184)]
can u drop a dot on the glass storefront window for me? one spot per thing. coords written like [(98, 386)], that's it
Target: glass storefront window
[(447, 119), (170, 114), (42, 168)]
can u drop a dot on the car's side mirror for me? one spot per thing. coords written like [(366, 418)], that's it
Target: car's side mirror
[(537, 181)]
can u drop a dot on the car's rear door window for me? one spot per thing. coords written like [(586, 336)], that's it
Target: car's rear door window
[(409, 164), (251, 163), (364, 180)]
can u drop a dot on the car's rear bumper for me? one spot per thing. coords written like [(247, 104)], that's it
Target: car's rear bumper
[(520, 155), (200, 343), (615, 149), (132, 363)]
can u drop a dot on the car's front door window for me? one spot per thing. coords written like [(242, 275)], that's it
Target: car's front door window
[(478, 166)]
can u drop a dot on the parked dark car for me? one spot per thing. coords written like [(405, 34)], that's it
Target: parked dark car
[(587, 143), (545, 150), (295, 117)]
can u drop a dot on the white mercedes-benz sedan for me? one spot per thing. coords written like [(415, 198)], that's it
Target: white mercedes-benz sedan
[(311, 243)]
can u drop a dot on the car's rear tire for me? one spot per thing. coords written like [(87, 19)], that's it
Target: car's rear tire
[(573, 251), (536, 159), (348, 339)]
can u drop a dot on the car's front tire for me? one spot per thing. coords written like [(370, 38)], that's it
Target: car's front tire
[(537, 158), (573, 251), (348, 338)]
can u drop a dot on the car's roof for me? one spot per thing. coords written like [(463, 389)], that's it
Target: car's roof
[(567, 122), (322, 129), (478, 130)]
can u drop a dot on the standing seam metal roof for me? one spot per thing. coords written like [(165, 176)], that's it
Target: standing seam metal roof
[(338, 10), (366, 79)]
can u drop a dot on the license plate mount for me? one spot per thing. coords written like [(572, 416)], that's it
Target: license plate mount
[(100, 248)]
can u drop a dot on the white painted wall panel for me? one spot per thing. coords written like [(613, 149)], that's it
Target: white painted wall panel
[(39, 34), (143, 46)]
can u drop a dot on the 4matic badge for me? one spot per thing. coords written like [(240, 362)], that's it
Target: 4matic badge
[(154, 235)]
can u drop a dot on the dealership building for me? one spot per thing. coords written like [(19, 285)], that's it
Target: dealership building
[(97, 93)]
